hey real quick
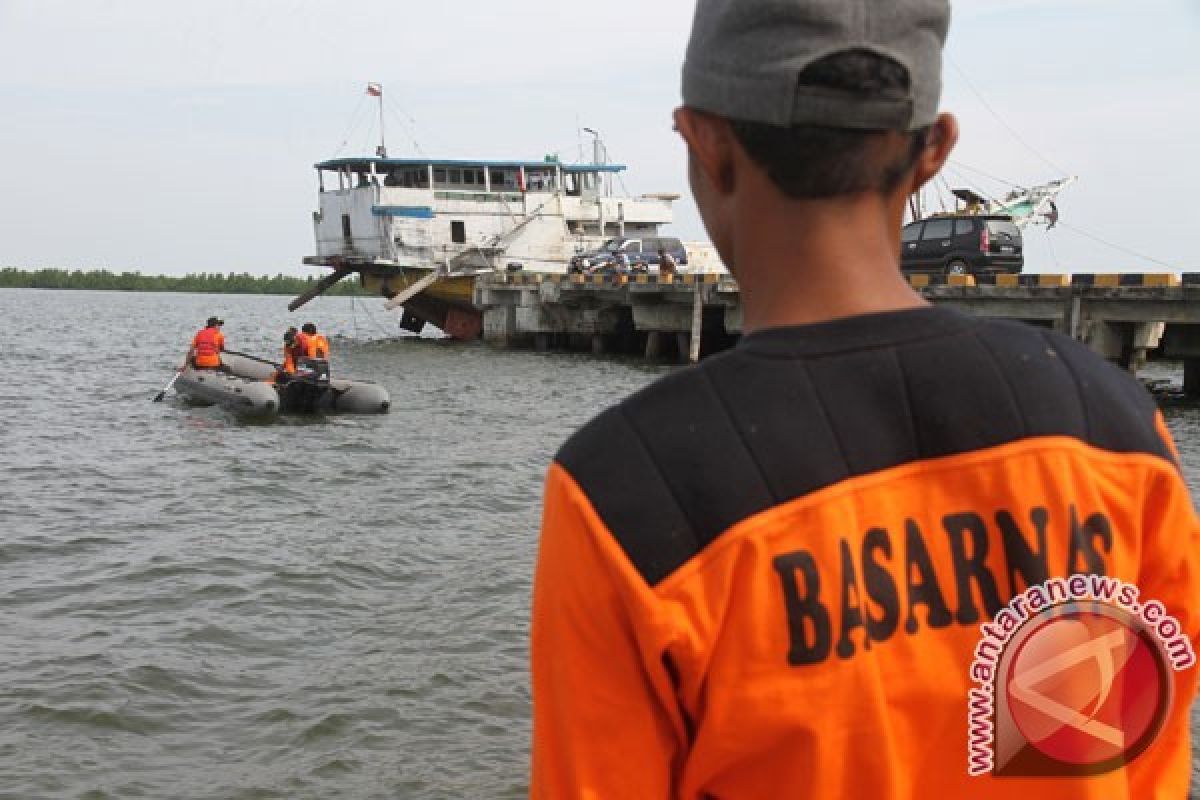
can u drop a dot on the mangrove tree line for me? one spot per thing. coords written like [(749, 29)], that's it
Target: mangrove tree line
[(208, 282)]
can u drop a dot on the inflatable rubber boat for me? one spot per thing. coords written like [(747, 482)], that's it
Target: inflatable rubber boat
[(244, 387), (244, 396)]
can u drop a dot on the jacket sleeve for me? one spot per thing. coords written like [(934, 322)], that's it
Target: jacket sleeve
[(605, 721)]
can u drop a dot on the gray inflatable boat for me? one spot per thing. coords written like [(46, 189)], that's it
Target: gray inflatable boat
[(248, 377), (245, 396)]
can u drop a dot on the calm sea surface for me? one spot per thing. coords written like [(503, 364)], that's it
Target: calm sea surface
[(193, 607)]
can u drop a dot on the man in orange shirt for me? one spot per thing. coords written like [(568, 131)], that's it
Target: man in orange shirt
[(295, 347), (316, 345), (781, 572), (206, 347)]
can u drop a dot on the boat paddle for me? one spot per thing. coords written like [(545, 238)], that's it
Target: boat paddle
[(158, 398), (253, 358)]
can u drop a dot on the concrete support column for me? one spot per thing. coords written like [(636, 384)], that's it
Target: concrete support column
[(653, 345), (500, 325), (1191, 377), (683, 344), (697, 325), (1072, 319), (1146, 337), (1107, 339)]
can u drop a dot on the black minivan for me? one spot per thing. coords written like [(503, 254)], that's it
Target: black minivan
[(962, 244), (639, 251)]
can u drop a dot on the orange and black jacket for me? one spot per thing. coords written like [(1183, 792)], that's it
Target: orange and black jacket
[(316, 346), (764, 576), (207, 345)]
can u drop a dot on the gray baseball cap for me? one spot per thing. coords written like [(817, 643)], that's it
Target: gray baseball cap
[(745, 55)]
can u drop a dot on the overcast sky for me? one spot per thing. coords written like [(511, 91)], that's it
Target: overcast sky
[(168, 136)]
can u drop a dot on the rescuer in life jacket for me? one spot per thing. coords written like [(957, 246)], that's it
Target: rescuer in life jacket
[(314, 363), (294, 348), (304, 356), (207, 344), (317, 344)]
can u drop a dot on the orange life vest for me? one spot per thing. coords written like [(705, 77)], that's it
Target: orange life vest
[(207, 345), (316, 346), (289, 360)]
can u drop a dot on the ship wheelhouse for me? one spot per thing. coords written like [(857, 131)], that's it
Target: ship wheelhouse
[(463, 217)]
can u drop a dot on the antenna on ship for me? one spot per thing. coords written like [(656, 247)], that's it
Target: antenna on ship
[(597, 146), (599, 153), (376, 90)]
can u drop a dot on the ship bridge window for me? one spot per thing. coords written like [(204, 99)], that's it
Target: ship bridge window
[(503, 179), (457, 177), (540, 180), (458, 231), (584, 181), (411, 178), (578, 183)]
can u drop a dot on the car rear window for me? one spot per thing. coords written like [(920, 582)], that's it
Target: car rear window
[(963, 227), (910, 232), (670, 244), (1003, 228), (938, 228)]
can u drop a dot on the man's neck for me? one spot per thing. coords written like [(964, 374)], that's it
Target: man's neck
[(800, 262)]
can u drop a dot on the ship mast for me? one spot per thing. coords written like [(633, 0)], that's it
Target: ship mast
[(376, 90), (599, 158)]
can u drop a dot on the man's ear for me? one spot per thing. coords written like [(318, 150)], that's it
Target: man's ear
[(711, 142), (942, 137)]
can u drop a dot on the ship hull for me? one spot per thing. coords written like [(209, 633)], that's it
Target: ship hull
[(449, 303)]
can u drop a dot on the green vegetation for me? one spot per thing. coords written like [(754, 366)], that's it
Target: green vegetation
[(214, 283)]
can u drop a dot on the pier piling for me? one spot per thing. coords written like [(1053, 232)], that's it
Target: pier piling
[(697, 325)]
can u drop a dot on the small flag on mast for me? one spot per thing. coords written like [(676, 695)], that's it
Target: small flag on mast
[(375, 89)]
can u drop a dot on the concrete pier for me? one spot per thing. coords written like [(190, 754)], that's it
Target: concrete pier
[(1126, 318)]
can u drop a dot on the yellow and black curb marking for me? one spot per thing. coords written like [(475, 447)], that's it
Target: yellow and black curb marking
[(1100, 280)]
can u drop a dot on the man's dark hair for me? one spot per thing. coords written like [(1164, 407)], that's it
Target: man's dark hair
[(308, 327), (808, 161)]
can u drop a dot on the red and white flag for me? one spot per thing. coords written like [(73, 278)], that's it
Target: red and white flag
[(375, 89)]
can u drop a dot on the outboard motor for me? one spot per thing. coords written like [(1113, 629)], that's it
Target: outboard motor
[(313, 370), (304, 391)]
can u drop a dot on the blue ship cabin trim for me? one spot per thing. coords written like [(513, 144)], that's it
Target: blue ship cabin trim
[(412, 212)]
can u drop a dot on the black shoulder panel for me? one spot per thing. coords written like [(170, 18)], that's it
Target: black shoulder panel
[(677, 464), (608, 460), (1119, 412)]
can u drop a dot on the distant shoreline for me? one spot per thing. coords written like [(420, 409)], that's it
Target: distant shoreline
[(204, 283)]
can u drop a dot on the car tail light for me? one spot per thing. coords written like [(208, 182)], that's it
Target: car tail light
[(983, 239)]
